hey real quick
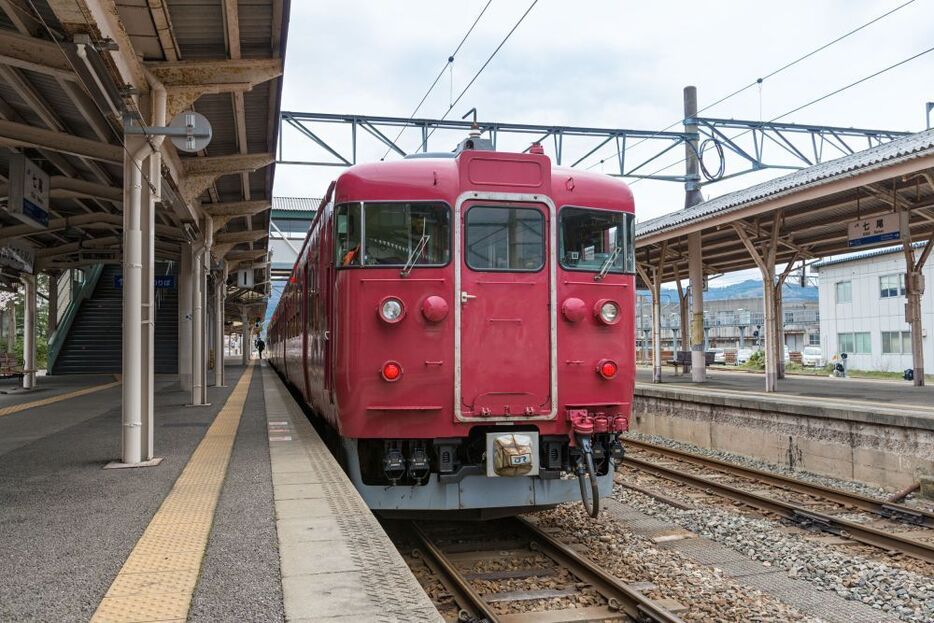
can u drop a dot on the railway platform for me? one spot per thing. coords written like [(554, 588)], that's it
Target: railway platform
[(874, 431), (247, 518)]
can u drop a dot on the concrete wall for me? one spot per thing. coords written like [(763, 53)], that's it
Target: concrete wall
[(882, 450), (869, 312)]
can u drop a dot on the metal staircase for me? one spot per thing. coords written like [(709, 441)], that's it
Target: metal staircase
[(93, 343)]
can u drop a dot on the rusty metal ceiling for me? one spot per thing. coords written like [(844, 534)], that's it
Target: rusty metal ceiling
[(222, 58)]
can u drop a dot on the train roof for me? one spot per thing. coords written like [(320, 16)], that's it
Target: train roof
[(433, 176)]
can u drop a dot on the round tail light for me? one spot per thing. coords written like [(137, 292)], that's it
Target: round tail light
[(607, 311), (391, 371), (607, 368), (391, 310)]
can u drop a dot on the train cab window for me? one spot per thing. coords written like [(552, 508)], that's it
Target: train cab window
[(348, 229), (406, 234), (594, 240), (500, 238)]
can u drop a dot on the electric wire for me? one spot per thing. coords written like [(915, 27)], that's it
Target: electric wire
[(807, 104), (771, 74), (479, 71), (447, 65)]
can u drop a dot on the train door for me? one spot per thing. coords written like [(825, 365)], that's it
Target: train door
[(306, 314), (328, 302), (506, 321)]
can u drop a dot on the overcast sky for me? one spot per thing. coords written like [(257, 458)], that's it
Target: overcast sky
[(604, 64)]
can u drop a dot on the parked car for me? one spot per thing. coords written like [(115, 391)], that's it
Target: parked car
[(719, 355), (812, 356)]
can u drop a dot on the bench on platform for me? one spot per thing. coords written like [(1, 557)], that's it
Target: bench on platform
[(682, 359)]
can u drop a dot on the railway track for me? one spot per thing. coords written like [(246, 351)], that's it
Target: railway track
[(796, 511), (511, 571)]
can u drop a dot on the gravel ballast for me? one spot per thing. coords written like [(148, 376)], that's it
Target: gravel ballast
[(909, 596)]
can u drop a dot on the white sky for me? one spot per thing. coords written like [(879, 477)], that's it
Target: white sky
[(603, 64)]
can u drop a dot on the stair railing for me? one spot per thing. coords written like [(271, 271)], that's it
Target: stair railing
[(91, 276)]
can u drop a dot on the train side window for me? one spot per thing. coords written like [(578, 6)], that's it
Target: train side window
[(591, 238), (348, 227), (509, 239)]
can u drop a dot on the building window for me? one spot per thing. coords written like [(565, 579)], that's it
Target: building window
[(814, 339), (854, 343), (896, 342), (891, 286), (844, 292)]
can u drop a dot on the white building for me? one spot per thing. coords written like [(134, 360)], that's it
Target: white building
[(862, 310)]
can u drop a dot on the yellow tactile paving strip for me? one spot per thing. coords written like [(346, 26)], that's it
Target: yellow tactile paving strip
[(158, 579), (53, 399)]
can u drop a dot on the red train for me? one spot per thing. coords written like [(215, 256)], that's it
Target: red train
[(463, 323)]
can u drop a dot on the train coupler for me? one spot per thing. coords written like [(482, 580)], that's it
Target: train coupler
[(617, 453), (393, 464), (419, 465)]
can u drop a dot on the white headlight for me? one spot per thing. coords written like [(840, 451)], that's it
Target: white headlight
[(609, 311), (391, 310)]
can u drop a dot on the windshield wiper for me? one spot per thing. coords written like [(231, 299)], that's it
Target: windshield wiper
[(413, 257), (607, 263)]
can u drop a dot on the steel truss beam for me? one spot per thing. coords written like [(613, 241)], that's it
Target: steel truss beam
[(759, 144)]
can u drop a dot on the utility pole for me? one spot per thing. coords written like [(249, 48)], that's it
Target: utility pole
[(692, 196)]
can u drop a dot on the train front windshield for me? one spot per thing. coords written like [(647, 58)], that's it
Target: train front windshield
[(393, 234), (597, 240)]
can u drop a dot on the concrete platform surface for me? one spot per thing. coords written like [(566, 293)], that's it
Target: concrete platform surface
[(83, 543), (874, 401), (337, 562)]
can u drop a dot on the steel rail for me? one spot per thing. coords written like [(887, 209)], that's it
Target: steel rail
[(472, 602), (620, 598), (630, 601), (791, 512), (888, 510)]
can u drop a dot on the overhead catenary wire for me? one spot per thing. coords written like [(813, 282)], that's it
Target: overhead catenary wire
[(773, 73), (479, 71), (448, 65), (809, 103)]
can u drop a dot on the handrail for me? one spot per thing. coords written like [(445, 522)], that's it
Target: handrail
[(91, 276)]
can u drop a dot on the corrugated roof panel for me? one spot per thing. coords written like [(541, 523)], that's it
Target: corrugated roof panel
[(865, 255), (255, 29), (893, 152), (295, 203), (199, 28), (256, 108)]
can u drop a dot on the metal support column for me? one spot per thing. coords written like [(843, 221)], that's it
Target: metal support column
[(245, 346), (132, 446), (220, 294), (184, 318), (198, 371), (148, 298), (656, 328), (11, 324), (52, 323), (29, 331), (695, 268)]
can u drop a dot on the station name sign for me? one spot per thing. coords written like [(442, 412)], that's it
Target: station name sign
[(159, 281), (29, 192), (874, 230)]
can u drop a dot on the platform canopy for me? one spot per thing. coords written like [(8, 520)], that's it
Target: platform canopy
[(812, 209), (71, 71)]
